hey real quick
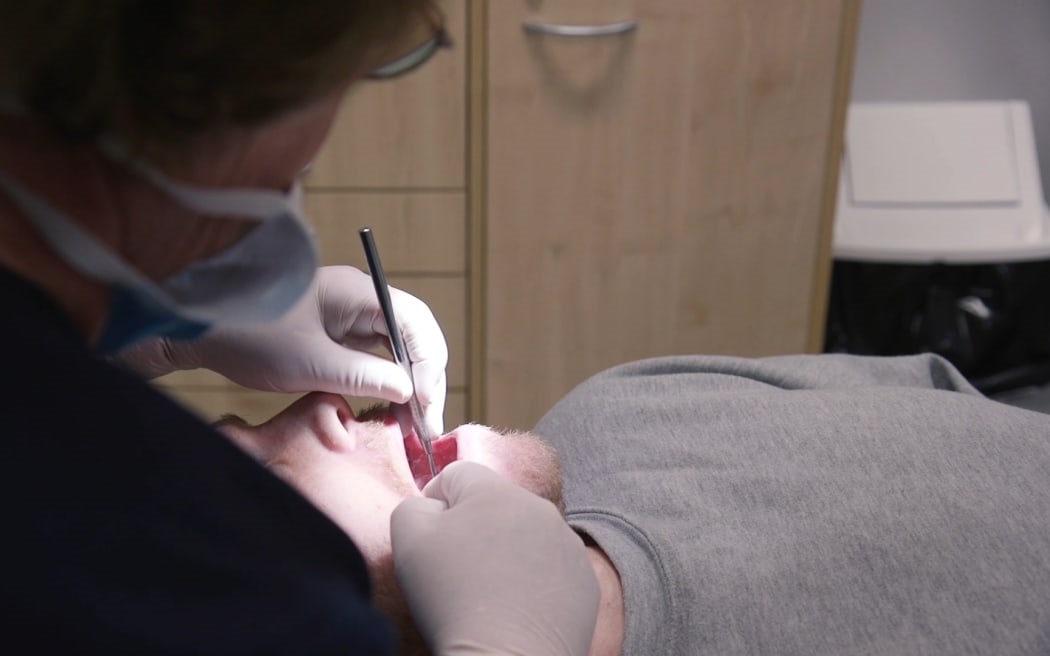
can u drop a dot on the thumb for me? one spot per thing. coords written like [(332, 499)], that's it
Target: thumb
[(460, 480)]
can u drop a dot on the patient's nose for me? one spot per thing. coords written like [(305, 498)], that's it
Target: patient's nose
[(329, 416)]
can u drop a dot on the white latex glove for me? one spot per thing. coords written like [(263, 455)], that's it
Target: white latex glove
[(319, 345), (490, 568)]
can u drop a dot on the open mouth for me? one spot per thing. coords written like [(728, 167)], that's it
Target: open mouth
[(444, 448)]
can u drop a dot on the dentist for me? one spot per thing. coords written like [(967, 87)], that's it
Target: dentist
[(150, 213)]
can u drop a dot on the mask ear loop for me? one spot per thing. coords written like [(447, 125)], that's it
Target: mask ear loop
[(88, 256), (81, 251), (235, 202), (68, 238)]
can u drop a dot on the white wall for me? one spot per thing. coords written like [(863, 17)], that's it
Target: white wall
[(958, 50)]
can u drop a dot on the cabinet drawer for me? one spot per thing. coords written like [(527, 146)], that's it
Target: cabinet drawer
[(447, 298), (408, 132), (416, 233)]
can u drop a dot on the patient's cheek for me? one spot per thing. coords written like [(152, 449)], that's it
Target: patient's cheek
[(521, 458), (482, 445)]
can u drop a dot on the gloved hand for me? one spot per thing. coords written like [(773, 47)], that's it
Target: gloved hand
[(490, 568), (319, 345)]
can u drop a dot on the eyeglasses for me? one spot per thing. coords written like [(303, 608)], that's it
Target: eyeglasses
[(420, 54)]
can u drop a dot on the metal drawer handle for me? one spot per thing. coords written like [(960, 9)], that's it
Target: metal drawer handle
[(556, 29)]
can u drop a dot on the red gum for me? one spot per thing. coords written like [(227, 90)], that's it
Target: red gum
[(445, 450)]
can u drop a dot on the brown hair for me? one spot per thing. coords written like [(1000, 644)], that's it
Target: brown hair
[(171, 70)]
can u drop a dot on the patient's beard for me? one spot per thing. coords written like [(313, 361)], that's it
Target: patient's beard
[(391, 601)]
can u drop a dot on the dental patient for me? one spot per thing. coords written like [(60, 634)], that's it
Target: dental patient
[(791, 505), (357, 469)]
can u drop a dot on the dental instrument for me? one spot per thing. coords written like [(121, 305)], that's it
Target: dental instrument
[(397, 344)]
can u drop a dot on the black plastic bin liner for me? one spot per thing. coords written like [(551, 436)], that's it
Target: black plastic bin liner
[(992, 321)]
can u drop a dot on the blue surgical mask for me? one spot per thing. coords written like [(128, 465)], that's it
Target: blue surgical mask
[(256, 279)]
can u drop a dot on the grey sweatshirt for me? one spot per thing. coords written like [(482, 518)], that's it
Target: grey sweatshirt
[(812, 505)]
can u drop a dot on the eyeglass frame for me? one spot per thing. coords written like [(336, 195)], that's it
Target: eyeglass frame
[(417, 56)]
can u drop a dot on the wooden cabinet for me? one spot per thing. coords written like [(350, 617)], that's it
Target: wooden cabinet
[(657, 191), (565, 204)]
